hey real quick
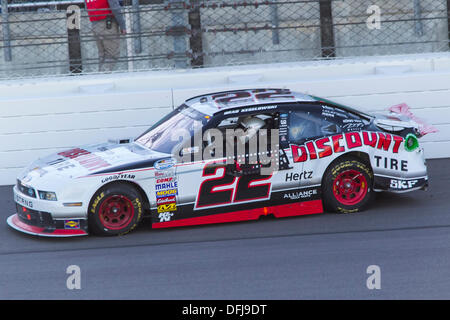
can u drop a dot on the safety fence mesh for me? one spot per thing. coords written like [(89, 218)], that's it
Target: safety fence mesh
[(56, 37)]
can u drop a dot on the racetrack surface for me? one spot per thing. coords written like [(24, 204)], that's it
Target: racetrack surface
[(311, 257)]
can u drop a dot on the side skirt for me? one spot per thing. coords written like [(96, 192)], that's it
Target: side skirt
[(279, 211)]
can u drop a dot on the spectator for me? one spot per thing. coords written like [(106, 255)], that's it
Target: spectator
[(107, 24)]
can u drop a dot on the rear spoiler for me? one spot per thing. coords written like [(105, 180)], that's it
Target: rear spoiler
[(400, 117)]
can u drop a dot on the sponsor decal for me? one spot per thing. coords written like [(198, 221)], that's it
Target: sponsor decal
[(23, 201), (164, 174), (166, 193), (283, 127), (71, 224), (164, 164), (166, 185), (166, 189), (165, 216), (328, 111), (392, 164), (166, 200), (97, 201), (300, 194), (402, 184), (118, 177), (167, 207), (325, 147), (164, 180), (298, 176), (352, 124), (88, 160)]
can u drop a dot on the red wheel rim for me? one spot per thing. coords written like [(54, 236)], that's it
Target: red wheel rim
[(350, 187), (116, 212)]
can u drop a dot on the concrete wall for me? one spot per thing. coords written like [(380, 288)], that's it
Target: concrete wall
[(42, 116)]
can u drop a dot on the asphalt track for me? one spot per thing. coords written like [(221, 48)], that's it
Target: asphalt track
[(311, 257)]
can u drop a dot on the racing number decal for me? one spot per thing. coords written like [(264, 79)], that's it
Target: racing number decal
[(219, 190), (228, 97), (251, 95), (208, 195), (261, 94), (246, 192)]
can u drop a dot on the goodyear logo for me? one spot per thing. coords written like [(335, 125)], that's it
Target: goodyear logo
[(167, 207), (166, 193), (71, 224)]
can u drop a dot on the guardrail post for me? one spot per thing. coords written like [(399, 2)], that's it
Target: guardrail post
[(195, 40), (326, 29), (178, 32), (6, 33), (418, 25), (136, 26), (73, 22), (448, 21), (275, 22)]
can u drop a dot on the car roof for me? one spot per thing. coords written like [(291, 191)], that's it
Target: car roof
[(212, 103)]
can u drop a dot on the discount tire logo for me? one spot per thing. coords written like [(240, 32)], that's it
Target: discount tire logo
[(340, 143)]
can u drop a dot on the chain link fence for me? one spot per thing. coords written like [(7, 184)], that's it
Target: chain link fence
[(39, 38)]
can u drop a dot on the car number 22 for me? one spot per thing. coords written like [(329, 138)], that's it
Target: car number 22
[(220, 188)]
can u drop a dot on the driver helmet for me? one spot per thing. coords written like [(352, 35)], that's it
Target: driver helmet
[(251, 126)]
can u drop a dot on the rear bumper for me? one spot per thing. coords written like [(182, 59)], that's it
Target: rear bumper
[(71, 228), (399, 185)]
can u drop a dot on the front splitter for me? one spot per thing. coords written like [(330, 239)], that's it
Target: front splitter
[(15, 223)]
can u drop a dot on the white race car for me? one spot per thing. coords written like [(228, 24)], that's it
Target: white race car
[(326, 155)]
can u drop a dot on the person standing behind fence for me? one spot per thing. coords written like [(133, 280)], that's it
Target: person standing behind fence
[(107, 23)]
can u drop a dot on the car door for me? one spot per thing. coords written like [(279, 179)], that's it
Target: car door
[(219, 185)]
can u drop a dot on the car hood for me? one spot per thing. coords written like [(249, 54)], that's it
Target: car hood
[(90, 160)]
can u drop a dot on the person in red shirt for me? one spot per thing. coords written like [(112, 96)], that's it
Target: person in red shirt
[(107, 23)]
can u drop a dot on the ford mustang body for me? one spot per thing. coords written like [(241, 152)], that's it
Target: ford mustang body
[(180, 172)]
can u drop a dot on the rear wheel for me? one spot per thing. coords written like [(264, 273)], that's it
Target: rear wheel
[(115, 210), (347, 186)]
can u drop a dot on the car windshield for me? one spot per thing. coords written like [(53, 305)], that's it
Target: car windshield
[(170, 130)]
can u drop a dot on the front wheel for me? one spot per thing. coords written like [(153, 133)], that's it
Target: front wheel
[(115, 210), (347, 186)]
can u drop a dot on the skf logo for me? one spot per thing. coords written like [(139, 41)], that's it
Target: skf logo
[(402, 184), (167, 207), (71, 224), (325, 147)]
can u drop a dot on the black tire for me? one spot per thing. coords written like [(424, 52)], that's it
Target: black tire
[(115, 210), (347, 186)]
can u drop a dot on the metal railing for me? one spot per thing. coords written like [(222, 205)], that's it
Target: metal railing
[(38, 40)]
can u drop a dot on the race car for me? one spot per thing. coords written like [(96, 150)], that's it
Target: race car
[(222, 157)]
